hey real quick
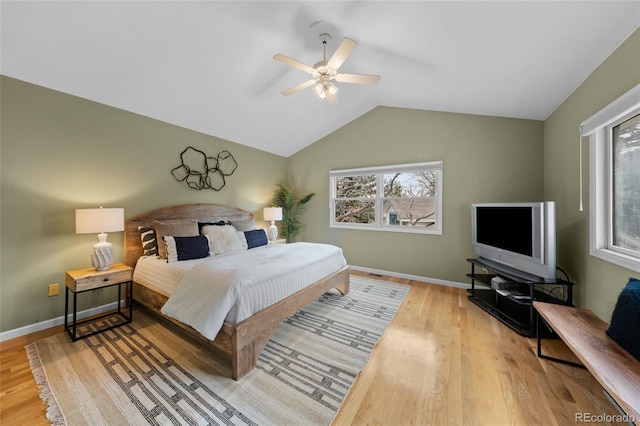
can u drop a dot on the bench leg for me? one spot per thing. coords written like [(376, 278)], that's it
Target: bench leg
[(550, 358), (619, 408)]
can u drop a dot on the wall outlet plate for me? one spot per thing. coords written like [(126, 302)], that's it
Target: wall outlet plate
[(53, 289)]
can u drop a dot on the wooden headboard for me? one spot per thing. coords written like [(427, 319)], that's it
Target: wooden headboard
[(202, 212)]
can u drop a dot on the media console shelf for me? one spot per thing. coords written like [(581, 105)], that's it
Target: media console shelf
[(511, 301)]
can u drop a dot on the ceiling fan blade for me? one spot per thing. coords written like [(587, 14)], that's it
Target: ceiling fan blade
[(292, 62), (299, 87), (358, 78), (342, 53)]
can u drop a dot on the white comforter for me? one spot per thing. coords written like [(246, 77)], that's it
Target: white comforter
[(209, 291)]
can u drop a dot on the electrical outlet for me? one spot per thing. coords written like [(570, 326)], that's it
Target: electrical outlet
[(53, 289)]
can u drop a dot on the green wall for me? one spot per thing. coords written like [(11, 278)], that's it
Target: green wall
[(59, 153), (598, 283), (485, 159)]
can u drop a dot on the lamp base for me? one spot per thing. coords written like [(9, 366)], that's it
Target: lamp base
[(272, 232), (102, 256)]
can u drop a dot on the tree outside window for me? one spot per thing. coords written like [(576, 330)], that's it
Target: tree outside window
[(405, 198)]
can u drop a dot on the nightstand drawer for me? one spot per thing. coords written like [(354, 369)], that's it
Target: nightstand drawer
[(87, 279)]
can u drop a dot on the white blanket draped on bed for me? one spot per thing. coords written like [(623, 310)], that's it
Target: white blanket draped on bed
[(209, 291)]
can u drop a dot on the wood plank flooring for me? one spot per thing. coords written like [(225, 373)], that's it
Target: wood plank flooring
[(442, 361)]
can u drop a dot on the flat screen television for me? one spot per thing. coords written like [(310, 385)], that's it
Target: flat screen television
[(520, 238)]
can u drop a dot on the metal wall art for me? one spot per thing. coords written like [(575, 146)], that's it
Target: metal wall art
[(202, 172)]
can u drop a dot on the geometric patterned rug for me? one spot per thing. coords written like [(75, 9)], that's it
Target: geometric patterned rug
[(150, 372)]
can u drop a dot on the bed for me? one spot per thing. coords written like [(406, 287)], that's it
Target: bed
[(243, 340)]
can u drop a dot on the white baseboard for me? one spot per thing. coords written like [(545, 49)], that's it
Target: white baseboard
[(411, 277), (28, 329), (43, 325)]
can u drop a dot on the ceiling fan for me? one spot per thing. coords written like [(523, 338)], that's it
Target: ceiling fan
[(324, 72)]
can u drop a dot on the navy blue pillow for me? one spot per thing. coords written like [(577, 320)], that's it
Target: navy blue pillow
[(192, 247), (256, 238), (625, 320)]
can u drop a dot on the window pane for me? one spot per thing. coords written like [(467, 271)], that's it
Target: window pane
[(400, 198), (626, 184), (355, 211), (421, 184), (409, 211), (356, 187)]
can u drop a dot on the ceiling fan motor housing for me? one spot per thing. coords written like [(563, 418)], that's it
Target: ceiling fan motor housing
[(324, 72)]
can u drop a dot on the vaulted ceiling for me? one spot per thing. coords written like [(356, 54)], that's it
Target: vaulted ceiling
[(208, 65)]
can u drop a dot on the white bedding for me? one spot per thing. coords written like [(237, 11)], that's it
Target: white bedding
[(204, 293)]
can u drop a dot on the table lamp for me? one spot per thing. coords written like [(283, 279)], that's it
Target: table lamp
[(101, 221), (272, 214)]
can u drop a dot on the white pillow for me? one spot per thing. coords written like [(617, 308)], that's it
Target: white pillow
[(244, 225), (243, 240), (224, 239)]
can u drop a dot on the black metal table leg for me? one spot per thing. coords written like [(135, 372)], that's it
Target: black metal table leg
[(550, 358)]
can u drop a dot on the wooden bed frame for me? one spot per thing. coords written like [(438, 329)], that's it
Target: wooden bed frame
[(244, 341)]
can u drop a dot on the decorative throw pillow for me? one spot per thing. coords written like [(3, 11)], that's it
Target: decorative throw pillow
[(244, 225), (625, 320), (174, 228), (218, 223), (222, 239), (256, 238), (243, 240), (149, 242), (186, 248)]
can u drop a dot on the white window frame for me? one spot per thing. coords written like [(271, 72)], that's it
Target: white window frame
[(599, 129), (434, 166)]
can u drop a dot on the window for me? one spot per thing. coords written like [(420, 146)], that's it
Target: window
[(625, 156), (402, 198), (615, 181)]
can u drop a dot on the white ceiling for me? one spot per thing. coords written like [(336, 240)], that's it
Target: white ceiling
[(208, 66)]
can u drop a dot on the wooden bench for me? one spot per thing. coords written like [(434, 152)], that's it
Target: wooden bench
[(584, 333)]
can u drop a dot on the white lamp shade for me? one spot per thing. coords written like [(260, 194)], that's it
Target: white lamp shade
[(272, 213), (92, 221)]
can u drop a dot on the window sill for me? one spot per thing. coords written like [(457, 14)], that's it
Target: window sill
[(617, 258), (400, 229)]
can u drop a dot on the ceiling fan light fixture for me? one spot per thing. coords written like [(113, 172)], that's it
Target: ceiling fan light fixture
[(331, 88), (325, 90), (324, 71)]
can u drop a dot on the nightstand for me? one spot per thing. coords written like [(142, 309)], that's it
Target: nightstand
[(81, 280), (278, 241)]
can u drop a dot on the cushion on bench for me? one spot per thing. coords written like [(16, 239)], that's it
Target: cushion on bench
[(625, 320)]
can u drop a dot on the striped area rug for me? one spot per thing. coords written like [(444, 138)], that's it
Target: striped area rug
[(150, 372)]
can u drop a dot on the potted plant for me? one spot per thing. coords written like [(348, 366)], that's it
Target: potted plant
[(293, 205)]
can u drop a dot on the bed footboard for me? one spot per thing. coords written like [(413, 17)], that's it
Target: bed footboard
[(244, 341), (251, 335)]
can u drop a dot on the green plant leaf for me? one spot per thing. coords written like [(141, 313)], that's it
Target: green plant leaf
[(292, 206)]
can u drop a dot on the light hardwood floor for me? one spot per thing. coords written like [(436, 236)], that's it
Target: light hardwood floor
[(442, 361)]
